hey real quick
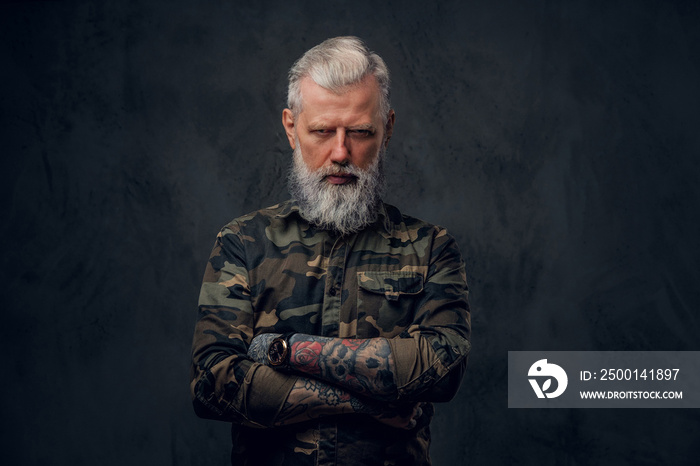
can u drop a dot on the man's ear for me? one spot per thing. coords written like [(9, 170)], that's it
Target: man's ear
[(389, 128), (288, 123)]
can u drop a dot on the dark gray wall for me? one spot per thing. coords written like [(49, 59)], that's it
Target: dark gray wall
[(558, 141)]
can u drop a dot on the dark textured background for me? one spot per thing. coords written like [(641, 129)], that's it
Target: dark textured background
[(558, 141)]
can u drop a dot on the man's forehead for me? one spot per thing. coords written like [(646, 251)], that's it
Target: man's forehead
[(362, 97)]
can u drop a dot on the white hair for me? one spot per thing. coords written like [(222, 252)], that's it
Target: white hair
[(336, 64)]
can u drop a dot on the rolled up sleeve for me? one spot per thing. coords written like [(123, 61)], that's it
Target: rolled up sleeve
[(431, 355), (225, 384)]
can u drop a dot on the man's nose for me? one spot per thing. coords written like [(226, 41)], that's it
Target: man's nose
[(340, 152)]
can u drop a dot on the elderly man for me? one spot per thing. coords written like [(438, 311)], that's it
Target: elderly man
[(330, 322)]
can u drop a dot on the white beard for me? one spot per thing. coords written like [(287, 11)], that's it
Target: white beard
[(345, 208)]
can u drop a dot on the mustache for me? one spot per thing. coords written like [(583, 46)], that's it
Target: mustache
[(338, 170)]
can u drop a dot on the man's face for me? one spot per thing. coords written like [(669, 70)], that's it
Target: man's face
[(338, 141), (338, 129)]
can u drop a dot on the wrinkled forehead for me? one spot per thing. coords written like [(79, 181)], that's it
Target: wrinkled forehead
[(361, 97)]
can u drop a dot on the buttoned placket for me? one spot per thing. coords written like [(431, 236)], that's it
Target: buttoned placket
[(330, 322), (335, 277)]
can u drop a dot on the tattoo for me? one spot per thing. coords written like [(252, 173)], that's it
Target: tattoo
[(311, 399), (259, 346), (328, 394), (362, 366)]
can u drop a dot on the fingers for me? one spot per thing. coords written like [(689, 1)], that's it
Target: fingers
[(417, 413), (412, 417), (405, 417)]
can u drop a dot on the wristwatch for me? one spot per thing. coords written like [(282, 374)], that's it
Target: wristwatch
[(278, 352)]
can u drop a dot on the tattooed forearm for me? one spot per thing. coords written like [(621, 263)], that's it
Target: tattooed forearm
[(363, 366), (312, 399), (348, 377)]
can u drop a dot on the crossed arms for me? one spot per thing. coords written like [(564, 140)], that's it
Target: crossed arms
[(386, 378), (340, 376)]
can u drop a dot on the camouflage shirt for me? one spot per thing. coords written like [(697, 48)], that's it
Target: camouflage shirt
[(271, 271)]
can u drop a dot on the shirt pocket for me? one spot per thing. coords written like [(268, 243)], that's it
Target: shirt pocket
[(387, 302)]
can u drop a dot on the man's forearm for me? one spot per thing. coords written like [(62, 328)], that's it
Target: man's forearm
[(312, 399), (363, 366)]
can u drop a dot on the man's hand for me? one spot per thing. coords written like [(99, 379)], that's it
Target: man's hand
[(259, 347), (405, 417)]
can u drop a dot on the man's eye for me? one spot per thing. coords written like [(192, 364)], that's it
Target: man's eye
[(362, 132)]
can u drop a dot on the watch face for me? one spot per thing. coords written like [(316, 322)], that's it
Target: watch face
[(277, 352)]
